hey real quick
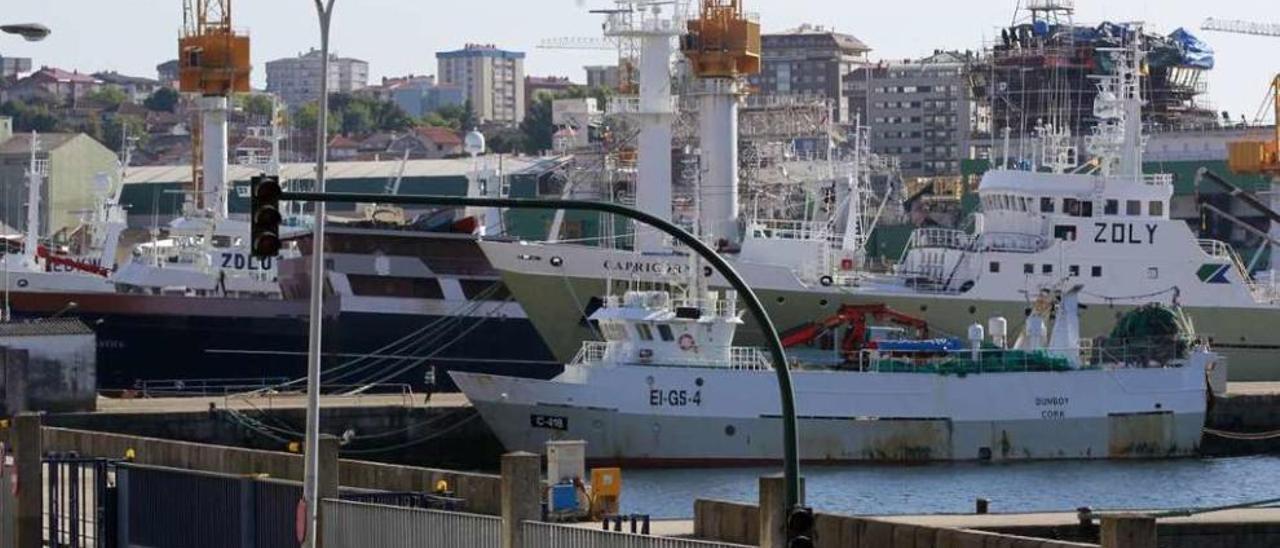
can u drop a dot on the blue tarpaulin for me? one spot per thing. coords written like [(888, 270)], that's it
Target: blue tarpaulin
[(1195, 52)]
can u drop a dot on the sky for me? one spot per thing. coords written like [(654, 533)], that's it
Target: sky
[(399, 37)]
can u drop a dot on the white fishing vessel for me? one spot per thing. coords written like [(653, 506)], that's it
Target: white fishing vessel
[(667, 387), (1100, 223)]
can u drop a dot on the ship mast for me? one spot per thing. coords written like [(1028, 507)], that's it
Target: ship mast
[(654, 23), (723, 47), (213, 63)]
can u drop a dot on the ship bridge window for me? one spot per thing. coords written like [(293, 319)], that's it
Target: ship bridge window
[(994, 267), (665, 331), (614, 331), (1111, 207), (1071, 206), (1095, 271), (1046, 269), (1028, 268), (645, 333), (1046, 205), (1155, 208), (1073, 270), (1064, 232), (1086, 208), (1133, 208)]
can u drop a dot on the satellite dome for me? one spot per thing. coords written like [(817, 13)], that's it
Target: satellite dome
[(474, 143)]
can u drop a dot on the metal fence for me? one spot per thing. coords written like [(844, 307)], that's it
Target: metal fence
[(549, 535), (79, 502), (360, 525)]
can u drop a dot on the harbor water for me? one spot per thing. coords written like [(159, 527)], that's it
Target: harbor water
[(952, 488)]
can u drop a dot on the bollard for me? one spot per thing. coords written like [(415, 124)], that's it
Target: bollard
[(1128, 531), (644, 529), (982, 506), (633, 524), (521, 495)]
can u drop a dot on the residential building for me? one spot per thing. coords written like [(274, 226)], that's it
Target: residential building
[(810, 61), (53, 83), (297, 79), (70, 162), (603, 76), (429, 143), (492, 78), (444, 95), (918, 110), (14, 67), (548, 85), (342, 148), (135, 87), (167, 73)]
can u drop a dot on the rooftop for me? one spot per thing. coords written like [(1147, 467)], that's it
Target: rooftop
[(440, 136), (63, 75), (844, 41), (21, 143), (480, 50)]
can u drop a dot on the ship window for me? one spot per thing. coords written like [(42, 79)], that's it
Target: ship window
[(665, 331), (1071, 206), (1028, 268), (1133, 208), (1153, 273), (994, 267), (645, 333), (1096, 271), (1064, 232), (1073, 270), (1046, 205), (1155, 208), (1112, 207), (1086, 208), (1046, 269)]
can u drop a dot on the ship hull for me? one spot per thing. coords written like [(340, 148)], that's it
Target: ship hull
[(646, 415), (553, 297), (148, 338)]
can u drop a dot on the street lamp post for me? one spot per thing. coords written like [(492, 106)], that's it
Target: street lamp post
[(311, 445)]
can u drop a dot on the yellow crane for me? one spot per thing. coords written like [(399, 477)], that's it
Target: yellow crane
[(723, 42), (213, 63), (1254, 157)]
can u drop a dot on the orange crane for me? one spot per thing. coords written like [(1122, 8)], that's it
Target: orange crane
[(858, 317), (723, 42), (1254, 157), (213, 62)]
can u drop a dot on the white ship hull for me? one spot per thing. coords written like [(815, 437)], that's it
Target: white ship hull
[(671, 416)]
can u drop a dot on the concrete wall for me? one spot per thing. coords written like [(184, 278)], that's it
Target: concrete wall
[(737, 523), (481, 491)]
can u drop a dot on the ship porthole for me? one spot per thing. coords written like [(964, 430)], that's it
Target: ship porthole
[(729, 430), (698, 381), (782, 300), (973, 310), (649, 380), (823, 303), (924, 308), (1159, 406), (22, 283), (707, 271), (556, 261)]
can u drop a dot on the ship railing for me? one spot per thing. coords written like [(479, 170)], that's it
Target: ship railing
[(1158, 179), (945, 238), (1215, 249), (590, 352), (267, 397), (740, 358), (1011, 242), (780, 229), (992, 360)]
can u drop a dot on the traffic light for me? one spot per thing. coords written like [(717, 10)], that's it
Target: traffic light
[(265, 216), (800, 528)]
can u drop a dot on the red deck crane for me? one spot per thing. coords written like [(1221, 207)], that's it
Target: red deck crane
[(858, 317)]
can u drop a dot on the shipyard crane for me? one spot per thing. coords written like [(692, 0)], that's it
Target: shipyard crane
[(626, 50), (723, 47), (1254, 157), (213, 63)]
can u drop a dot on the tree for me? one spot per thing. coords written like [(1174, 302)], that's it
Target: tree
[(468, 121), (31, 116), (257, 105), (109, 96), (536, 129), (452, 116), (116, 128), (388, 116), (162, 100), (356, 119), (507, 140), (307, 116)]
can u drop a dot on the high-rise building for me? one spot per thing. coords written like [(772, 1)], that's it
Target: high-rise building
[(297, 79), (918, 110), (492, 78), (13, 67), (810, 61)]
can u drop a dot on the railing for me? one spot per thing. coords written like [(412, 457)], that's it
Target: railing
[(547, 535), (1158, 179), (357, 525), (740, 357), (772, 229), (945, 238), (1123, 354), (1215, 249), (204, 387), (1013, 242)]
